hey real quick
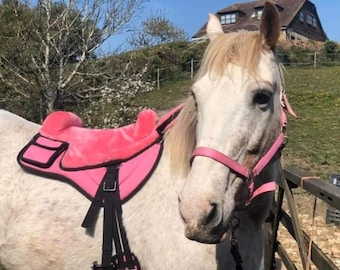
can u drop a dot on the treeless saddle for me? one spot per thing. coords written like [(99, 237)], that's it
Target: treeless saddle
[(65, 150)]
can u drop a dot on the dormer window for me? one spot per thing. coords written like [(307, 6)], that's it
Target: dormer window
[(302, 17), (314, 22), (228, 18), (258, 13), (309, 19)]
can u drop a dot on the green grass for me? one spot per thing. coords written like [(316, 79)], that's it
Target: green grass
[(314, 138), (168, 96)]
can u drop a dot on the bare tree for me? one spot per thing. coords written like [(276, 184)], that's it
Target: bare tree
[(157, 29), (60, 40)]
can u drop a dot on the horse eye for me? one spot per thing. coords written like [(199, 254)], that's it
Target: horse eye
[(262, 97)]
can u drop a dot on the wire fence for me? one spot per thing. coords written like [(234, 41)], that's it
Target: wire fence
[(288, 59), (309, 59)]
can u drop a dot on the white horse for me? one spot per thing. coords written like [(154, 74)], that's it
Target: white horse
[(234, 112)]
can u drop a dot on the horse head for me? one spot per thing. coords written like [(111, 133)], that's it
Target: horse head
[(234, 114)]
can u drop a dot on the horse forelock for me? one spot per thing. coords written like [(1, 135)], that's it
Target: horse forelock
[(242, 48), (181, 138)]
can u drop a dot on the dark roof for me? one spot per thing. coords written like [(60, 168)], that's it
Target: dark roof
[(288, 10)]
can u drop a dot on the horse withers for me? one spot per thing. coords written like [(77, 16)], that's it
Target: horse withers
[(210, 192)]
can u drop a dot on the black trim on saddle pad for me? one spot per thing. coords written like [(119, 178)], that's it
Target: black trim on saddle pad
[(53, 151)]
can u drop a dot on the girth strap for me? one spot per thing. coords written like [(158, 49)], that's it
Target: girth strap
[(113, 228)]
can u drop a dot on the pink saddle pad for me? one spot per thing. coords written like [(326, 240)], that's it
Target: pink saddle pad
[(43, 156), (66, 151)]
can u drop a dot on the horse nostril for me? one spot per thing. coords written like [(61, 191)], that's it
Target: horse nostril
[(211, 215)]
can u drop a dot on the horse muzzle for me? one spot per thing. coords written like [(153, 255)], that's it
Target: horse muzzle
[(203, 221), (205, 235)]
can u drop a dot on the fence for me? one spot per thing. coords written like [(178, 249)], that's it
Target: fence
[(288, 59), (309, 251), (309, 59), (168, 73)]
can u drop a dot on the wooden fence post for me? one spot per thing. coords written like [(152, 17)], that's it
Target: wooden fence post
[(192, 68), (158, 84), (295, 220), (315, 59)]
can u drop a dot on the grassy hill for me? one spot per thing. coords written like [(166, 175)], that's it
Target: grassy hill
[(314, 138)]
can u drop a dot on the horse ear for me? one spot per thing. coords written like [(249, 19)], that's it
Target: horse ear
[(213, 27), (270, 25)]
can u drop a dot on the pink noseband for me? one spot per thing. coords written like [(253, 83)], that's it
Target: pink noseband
[(247, 173)]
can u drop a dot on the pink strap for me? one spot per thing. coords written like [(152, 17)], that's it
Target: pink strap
[(261, 164), (222, 158), (267, 187), (269, 155), (240, 169), (237, 167)]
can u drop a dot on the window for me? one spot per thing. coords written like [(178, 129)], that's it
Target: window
[(309, 19), (314, 22), (228, 18), (302, 17), (258, 13)]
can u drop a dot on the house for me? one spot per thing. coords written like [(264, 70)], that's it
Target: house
[(299, 19)]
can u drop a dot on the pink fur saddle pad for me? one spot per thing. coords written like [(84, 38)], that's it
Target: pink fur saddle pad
[(66, 151), (89, 147)]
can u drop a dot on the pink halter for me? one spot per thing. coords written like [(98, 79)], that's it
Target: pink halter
[(249, 174)]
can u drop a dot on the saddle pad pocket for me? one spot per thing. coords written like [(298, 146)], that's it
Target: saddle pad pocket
[(42, 152), (48, 143)]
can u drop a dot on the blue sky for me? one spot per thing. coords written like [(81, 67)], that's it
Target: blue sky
[(190, 15)]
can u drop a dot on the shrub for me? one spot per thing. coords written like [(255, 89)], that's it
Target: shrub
[(330, 50), (114, 106)]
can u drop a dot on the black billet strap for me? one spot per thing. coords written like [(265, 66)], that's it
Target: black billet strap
[(113, 229), (111, 210), (94, 209), (105, 194)]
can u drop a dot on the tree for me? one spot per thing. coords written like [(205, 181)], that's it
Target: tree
[(330, 48), (156, 30), (50, 47)]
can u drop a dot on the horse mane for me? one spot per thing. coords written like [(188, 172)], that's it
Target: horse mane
[(181, 138), (242, 48)]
